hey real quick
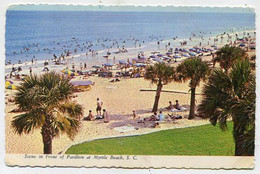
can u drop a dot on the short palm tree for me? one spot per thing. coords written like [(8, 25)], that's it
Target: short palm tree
[(227, 55), (46, 103), (159, 74), (195, 70), (232, 95)]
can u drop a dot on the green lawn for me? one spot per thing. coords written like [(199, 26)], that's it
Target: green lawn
[(199, 140)]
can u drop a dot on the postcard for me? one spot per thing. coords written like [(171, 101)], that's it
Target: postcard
[(130, 86)]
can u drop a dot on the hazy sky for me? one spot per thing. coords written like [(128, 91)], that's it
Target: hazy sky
[(130, 8)]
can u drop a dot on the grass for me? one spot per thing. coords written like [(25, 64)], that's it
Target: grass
[(199, 140)]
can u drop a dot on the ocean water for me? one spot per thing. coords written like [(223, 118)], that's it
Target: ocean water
[(40, 34)]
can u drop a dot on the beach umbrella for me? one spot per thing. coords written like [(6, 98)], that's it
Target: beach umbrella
[(160, 55), (153, 56), (73, 74), (192, 49), (106, 56), (140, 61), (108, 64), (122, 62), (140, 65), (66, 71), (157, 60), (142, 57), (96, 66), (185, 55), (81, 83), (184, 50), (168, 53), (12, 87), (177, 56), (176, 52), (8, 82), (166, 58), (192, 54)]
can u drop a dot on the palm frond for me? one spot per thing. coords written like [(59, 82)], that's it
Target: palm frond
[(27, 122)]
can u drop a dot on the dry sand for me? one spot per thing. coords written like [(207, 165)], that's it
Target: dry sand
[(119, 98)]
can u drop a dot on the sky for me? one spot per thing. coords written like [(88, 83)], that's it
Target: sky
[(131, 8)]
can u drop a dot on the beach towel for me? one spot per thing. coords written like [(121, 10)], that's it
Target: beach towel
[(179, 110)]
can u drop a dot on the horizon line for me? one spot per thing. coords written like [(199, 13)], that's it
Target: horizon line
[(129, 8)]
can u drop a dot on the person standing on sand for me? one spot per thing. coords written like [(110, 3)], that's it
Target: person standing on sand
[(99, 107), (134, 114)]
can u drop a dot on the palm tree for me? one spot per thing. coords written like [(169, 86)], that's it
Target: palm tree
[(46, 103), (227, 55), (159, 74), (195, 70), (232, 95)]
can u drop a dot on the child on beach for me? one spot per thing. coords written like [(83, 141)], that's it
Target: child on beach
[(134, 114)]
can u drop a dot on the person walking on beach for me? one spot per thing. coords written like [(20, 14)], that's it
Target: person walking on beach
[(99, 107)]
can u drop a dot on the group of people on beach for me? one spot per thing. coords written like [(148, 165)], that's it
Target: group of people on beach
[(99, 115)]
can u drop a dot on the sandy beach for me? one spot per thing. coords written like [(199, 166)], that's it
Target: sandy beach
[(120, 109)]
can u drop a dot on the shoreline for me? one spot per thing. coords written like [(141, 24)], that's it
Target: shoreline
[(132, 53)]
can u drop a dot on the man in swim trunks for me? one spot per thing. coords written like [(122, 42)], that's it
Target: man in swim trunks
[(99, 106)]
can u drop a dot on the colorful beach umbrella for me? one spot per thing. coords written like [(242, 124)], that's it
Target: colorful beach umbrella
[(66, 71), (12, 87), (153, 56), (8, 82), (73, 74)]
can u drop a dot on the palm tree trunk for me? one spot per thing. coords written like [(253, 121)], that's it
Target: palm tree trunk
[(157, 97), (47, 136), (236, 135), (192, 104)]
